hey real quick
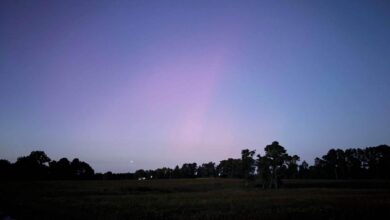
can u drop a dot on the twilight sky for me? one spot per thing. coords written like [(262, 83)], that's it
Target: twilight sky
[(125, 85)]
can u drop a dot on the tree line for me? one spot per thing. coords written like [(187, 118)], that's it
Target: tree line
[(38, 166), (267, 169)]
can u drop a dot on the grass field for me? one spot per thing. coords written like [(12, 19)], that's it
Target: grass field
[(189, 199)]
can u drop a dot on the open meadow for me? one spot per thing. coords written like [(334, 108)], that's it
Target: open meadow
[(213, 198)]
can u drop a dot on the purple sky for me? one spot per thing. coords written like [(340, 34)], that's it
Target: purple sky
[(126, 85)]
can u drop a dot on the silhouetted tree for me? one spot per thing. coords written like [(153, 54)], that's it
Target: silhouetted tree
[(370, 162), (39, 157), (291, 169), (141, 174), (176, 173), (163, 173), (81, 170), (354, 163), (33, 166), (188, 170), (318, 170), (263, 169), (303, 170), (61, 169), (207, 170), (5, 169), (274, 159), (248, 163), (335, 162), (231, 168), (378, 160)]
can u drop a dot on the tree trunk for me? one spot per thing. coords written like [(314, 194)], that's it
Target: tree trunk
[(276, 179)]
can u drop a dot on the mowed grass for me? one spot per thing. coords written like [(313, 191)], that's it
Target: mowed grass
[(186, 199)]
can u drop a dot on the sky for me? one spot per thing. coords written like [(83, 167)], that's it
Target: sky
[(125, 85)]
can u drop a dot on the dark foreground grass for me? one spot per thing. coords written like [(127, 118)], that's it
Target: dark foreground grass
[(186, 199)]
